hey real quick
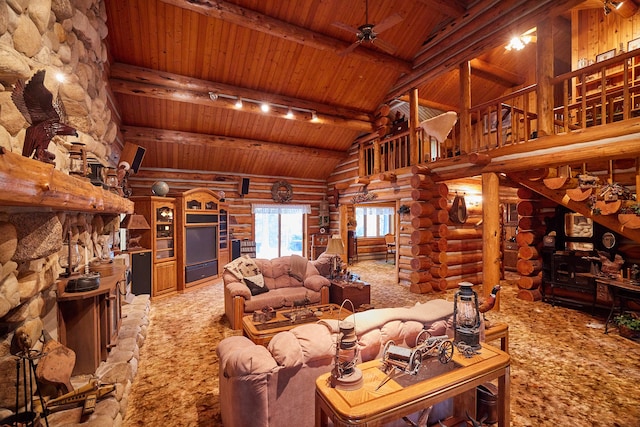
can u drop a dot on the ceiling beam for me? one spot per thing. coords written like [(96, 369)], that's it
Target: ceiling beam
[(447, 7), (144, 82), (432, 104), (482, 28), (253, 20), (139, 135), (496, 74)]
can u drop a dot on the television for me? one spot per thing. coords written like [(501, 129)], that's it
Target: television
[(201, 244)]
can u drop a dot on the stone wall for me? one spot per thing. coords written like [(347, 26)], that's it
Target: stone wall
[(62, 37)]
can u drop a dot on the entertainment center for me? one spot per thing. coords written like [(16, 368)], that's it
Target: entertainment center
[(188, 238)]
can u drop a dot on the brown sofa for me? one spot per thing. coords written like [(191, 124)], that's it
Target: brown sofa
[(275, 385), (287, 278)]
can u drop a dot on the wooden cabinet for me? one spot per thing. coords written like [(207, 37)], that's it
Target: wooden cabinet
[(88, 322), (160, 213), (203, 243), (319, 244)]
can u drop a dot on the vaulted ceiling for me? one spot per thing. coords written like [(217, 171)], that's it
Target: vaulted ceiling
[(178, 66)]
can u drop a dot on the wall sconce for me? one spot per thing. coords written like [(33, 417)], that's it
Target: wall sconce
[(335, 247), (345, 375), (466, 316), (134, 222)]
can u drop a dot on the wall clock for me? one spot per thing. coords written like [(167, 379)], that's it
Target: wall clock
[(281, 191)]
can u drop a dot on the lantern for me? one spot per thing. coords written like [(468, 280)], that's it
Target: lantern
[(345, 375), (466, 316)]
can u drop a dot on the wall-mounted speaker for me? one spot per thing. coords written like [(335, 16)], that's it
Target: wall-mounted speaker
[(244, 187), (132, 154)]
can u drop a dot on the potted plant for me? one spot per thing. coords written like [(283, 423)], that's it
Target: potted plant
[(628, 324)]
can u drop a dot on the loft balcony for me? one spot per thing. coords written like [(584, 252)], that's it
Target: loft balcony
[(594, 114)]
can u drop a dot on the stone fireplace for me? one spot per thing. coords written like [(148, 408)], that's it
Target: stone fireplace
[(40, 204)]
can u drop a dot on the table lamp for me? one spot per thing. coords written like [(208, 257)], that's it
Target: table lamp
[(134, 222), (335, 247), (466, 316)]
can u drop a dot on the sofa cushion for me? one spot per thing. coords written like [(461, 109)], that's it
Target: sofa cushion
[(316, 282), (256, 284), (298, 267)]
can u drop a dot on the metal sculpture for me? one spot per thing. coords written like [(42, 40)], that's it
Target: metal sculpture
[(45, 116)]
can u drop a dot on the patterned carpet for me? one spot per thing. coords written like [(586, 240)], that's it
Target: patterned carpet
[(564, 371)]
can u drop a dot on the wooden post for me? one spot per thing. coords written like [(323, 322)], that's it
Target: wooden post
[(465, 100), (544, 71), (376, 156), (491, 233), (414, 120)]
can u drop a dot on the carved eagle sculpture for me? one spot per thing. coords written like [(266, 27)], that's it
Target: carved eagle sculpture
[(45, 116)]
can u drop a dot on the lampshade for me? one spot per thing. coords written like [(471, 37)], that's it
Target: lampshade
[(335, 246), (135, 222)]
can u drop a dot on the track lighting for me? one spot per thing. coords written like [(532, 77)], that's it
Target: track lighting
[(213, 96), (314, 116), (238, 103), (289, 114), (265, 107)]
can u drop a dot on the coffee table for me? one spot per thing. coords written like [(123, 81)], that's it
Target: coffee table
[(406, 394), (262, 332)]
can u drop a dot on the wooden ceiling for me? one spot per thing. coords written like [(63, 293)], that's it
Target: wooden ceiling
[(169, 58)]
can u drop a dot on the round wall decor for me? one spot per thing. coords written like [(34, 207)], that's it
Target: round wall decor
[(608, 240), (281, 192)]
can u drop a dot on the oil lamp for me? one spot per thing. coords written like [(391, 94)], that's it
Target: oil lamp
[(345, 375), (466, 316)]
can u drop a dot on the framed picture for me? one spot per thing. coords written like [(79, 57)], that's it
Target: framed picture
[(633, 44), (606, 55)]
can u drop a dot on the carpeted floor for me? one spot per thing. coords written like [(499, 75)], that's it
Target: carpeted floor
[(564, 370)]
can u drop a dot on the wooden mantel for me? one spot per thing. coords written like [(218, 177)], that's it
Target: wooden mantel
[(30, 183)]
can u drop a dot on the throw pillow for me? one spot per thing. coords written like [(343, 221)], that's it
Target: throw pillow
[(256, 284)]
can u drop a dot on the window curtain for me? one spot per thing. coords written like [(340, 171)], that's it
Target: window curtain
[(261, 208), (378, 211)]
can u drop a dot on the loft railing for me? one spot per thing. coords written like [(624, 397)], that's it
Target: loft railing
[(597, 94)]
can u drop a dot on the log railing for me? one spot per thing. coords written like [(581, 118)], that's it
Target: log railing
[(597, 94)]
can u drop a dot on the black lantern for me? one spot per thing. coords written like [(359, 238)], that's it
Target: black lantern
[(466, 316)]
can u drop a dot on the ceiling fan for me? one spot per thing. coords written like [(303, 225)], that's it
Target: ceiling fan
[(367, 33)]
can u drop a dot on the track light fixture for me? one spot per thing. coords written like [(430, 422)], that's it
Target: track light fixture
[(265, 107), (609, 4)]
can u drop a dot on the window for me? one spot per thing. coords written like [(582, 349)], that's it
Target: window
[(279, 229), (374, 221)]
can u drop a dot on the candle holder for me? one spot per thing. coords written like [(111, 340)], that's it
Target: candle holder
[(69, 257)]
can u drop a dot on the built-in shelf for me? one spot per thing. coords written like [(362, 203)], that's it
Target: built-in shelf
[(32, 183)]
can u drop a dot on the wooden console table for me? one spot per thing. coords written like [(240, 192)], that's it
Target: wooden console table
[(88, 322), (369, 406)]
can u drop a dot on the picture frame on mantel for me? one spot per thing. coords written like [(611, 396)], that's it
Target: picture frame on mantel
[(605, 55), (633, 44)]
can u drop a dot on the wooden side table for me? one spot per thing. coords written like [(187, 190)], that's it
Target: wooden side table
[(358, 292), (397, 397)]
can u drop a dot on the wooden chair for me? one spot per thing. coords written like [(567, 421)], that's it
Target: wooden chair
[(390, 241)]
